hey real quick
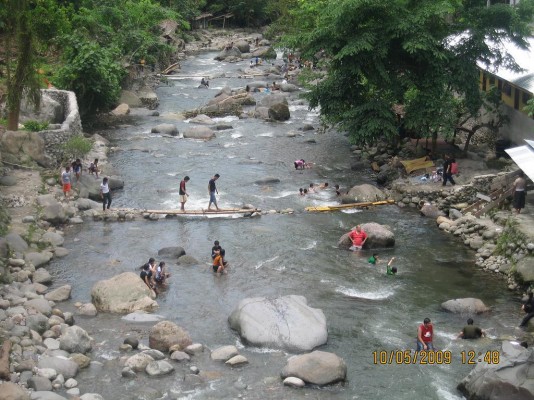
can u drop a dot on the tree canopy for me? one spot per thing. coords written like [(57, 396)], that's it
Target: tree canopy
[(418, 53)]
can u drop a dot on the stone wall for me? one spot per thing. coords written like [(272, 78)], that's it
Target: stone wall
[(71, 126)]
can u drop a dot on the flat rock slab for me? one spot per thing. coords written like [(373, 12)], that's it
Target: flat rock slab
[(142, 317), (283, 323)]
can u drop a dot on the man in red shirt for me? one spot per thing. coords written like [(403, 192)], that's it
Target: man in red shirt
[(425, 334), (183, 192), (358, 237)]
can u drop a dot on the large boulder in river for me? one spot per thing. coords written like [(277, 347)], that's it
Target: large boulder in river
[(75, 340), (166, 334), (318, 368), (525, 269), (363, 193), (54, 213), (199, 132), (509, 378), (429, 210), (467, 305), (243, 46), (378, 237), (123, 293), (148, 98), (173, 252), (202, 119), (166, 129), (228, 53), (272, 99), (90, 187), (285, 323), (279, 112)]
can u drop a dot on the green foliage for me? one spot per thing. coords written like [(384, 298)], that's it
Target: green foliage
[(35, 126), (3, 121), (529, 108), (510, 236), (385, 52), (77, 147), (4, 220), (92, 72)]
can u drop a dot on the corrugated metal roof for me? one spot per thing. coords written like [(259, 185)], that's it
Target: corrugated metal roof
[(523, 156)]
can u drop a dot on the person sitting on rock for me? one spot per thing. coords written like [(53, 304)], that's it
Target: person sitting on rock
[(93, 168)]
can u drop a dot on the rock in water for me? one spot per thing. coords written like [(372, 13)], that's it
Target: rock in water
[(468, 305), (318, 368), (165, 334), (123, 293), (284, 323)]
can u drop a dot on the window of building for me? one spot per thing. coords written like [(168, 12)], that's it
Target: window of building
[(499, 84), (492, 81), (526, 97), (507, 89)]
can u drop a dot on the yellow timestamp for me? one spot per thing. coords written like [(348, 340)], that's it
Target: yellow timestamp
[(438, 357)]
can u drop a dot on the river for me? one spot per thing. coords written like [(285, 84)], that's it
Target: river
[(274, 255)]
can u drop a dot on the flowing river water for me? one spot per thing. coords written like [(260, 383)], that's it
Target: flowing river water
[(274, 255)]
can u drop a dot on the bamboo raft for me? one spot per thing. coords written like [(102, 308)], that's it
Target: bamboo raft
[(347, 206), (190, 212)]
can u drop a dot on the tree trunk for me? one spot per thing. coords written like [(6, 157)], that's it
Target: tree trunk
[(4, 360), (469, 136), (434, 142), (13, 119)]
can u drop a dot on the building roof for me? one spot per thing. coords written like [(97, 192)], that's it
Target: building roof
[(523, 156), (524, 58)]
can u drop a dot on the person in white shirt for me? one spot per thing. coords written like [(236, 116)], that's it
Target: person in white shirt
[(105, 194), (520, 185)]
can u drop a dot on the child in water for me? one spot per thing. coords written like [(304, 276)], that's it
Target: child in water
[(391, 270), (373, 259)]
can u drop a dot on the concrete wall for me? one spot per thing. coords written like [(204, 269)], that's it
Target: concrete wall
[(521, 126), (72, 125)]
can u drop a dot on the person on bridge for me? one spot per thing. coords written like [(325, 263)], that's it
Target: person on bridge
[(358, 238), (212, 190), (471, 331), (520, 192), (183, 193), (425, 334)]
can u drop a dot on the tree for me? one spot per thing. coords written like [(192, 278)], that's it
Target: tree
[(28, 26), (21, 75), (422, 54)]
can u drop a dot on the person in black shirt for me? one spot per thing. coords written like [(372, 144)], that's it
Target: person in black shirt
[(447, 170), (528, 307), (212, 189)]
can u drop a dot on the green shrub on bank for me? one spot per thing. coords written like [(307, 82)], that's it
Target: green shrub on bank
[(35, 126), (77, 147)]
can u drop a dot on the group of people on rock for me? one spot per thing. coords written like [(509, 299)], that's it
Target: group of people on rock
[(154, 275), (76, 168)]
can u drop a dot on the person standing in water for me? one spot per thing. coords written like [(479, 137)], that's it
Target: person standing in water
[(212, 190), (425, 334), (183, 193), (358, 238)]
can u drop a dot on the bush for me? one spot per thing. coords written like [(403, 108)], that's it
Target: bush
[(77, 147), (35, 126)]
